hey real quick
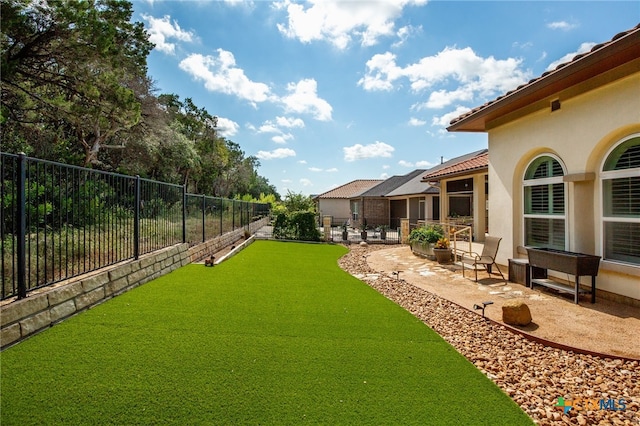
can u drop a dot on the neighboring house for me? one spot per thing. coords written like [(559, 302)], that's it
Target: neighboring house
[(372, 207), (564, 162), (416, 200), (463, 190), (335, 202)]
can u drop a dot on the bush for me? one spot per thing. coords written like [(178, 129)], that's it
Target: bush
[(299, 225), (426, 234)]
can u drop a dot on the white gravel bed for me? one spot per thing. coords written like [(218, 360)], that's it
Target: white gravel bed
[(532, 374)]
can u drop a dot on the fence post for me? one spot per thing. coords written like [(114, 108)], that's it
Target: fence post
[(233, 215), (136, 220), (221, 210), (184, 213), (21, 221), (203, 218)]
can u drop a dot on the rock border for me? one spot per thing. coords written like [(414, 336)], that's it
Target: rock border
[(534, 374)]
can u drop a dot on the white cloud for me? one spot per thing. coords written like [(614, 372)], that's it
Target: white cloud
[(474, 75), (305, 182), (162, 29), (332, 170), (416, 122), (289, 122), (220, 74), (405, 33), (443, 98), (303, 98), (302, 161), (276, 154), (268, 127), (339, 22), (524, 45), (240, 3), (584, 48), (360, 152), (282, 138), (543, 56), (227, 128), (445, 119), (424, 164), (315, 169), (561, 25), (403, 163)]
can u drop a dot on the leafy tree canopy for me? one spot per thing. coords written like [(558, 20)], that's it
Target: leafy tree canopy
[(75, 90)]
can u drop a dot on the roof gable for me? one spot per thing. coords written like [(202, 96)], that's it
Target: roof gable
[(462, 165)]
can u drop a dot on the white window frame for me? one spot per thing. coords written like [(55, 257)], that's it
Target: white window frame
[(610, 175), (354, 210), (541, 182)]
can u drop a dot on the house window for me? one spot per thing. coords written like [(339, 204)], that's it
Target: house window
[(460, 196), (621, 202), (460, 205), (544, 204), (354, 210)]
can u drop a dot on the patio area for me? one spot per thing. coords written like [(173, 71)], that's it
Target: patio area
[(604, 327)]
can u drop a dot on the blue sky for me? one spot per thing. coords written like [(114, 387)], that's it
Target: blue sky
[(326, 92)]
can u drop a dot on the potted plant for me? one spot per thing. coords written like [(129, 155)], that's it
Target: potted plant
[(363, 232), (423, 239), (442, 250), (345, 233), (383, 231)]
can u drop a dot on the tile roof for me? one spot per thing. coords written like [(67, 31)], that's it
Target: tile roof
[(475, 161), (385, 187), (351, 189), (632, 36), (414, 186)]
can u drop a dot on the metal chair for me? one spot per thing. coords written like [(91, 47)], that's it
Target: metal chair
[(486, 259)]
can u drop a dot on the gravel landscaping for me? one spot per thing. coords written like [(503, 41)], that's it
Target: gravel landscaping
[(534, 375)]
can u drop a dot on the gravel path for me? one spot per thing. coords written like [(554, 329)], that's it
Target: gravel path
[(534, 375)]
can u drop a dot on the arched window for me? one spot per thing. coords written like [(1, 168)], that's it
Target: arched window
[(544, 204), (621, 202)]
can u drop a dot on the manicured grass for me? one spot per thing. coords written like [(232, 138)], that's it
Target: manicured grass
[(278, 334)]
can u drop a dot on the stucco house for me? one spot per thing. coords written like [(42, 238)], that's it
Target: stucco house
[(564, 162), (416, 200), (372, 207), (464, 190), (335, 202)]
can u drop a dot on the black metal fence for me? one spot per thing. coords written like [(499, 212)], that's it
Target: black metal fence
[(351, 236), (59, 221)]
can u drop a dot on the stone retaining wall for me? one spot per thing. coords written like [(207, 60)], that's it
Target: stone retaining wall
[(48, 306), (206, 249)]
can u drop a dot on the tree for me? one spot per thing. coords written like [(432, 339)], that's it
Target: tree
[(70, 70), (298, 202)]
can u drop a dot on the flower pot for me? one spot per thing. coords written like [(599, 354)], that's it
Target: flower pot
[(423, 249), (383, 234), (345, 235), (363, 235), (442, 255)]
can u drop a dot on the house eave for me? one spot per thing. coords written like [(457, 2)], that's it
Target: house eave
[(617, 53)]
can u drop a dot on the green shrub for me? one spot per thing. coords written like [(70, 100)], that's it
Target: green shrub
[(426, 234), (298, 225)]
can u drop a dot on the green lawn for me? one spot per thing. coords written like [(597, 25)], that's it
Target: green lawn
[(278, 334)]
